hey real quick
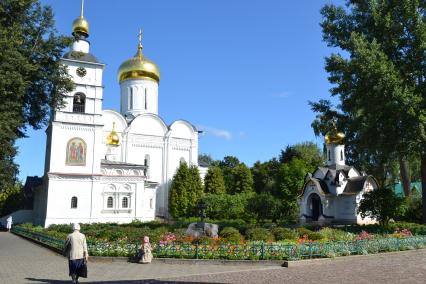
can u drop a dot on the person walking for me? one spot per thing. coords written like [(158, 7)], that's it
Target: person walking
[(75, 249), (9, 222), (147, 250)]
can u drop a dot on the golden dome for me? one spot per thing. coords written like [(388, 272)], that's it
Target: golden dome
[(138, 67), (113, 138), (334, 136), (80, 26)]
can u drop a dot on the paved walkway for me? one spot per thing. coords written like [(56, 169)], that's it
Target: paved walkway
[(23, 262)]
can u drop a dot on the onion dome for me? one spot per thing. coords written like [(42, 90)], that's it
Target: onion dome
[(80, 26), (138, 67), (113, 138), (334, 136)]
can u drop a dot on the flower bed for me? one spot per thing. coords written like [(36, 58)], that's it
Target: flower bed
[(169, 247)]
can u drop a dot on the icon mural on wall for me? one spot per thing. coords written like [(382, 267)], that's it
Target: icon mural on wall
[(76, 152)]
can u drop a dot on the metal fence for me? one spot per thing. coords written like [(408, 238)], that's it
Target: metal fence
[(243, 251)]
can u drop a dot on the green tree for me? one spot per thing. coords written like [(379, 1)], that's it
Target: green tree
[(242, 180), (380, 80), (227, 165), (265, 206), (11, 199), (213, 181), (31, 76), (290, 182), (178, 195), (305, 151), (265, 176), (381, 204), (206, 159), (227, 206), (195, 191)]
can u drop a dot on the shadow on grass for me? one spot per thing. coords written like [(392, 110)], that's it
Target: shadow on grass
[(147, 281)]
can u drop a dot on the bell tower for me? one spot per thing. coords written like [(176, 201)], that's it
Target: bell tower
[(76, 128)]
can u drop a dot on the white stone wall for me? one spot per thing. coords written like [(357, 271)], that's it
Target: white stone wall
[(335, 154), (139, 96)]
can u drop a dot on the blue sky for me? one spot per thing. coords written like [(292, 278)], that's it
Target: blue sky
[(241, 70)]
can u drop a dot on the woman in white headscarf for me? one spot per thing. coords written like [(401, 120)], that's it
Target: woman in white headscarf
[(75, 249), (147, 250), (9, 223)]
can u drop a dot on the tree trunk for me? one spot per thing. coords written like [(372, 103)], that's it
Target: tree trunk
[(404, 172), (423, 172)]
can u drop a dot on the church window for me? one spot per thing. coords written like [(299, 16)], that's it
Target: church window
[(79, 103), (151, 203), (146, 163), (329, 155), (131, 98), (146, 103), (341, 155), (125, 202), (74, 202), (110, 202)]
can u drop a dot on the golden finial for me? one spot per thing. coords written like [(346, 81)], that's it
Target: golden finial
[(80, 26), (140, 46), (113, 138)]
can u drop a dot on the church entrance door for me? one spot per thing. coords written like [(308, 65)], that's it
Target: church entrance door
[(316, 206)]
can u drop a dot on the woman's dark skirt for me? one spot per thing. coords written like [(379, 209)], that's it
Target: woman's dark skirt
[(75, 265)]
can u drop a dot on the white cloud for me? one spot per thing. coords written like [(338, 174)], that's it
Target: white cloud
[(221, 133)]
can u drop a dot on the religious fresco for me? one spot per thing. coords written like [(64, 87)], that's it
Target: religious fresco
[(76, 152)]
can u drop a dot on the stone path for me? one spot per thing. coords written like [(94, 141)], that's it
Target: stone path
[(23, 262)]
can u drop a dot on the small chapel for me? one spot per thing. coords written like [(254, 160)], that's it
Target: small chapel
[(106, 165), (331, 194)]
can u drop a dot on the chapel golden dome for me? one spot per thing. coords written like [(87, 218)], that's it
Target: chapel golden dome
[(138, 67), (113, 138), (334, 136)]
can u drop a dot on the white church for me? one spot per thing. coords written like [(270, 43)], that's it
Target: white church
[(332, 194), (103, 165)]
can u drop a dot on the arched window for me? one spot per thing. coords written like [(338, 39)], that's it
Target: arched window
[(329, 155), (182, 160), (125, 202), (341, 155), (110, 202), (73, 202), (146, 163), (79, 103), (151, 203)]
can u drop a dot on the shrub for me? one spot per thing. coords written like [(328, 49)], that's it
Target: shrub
[(303, 231), (315, 236), (284, 234), (259, 234), (231, 235), (336, 235), (227, 206)]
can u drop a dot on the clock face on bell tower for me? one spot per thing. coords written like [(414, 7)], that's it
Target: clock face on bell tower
[(81, 72)]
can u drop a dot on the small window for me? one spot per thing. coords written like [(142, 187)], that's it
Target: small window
[(329, 155), (79, 103), (110, 202), (146, 163), (146, 103), (125, 202), (74, 202), (341, 155), (151, 203), (131, 98)]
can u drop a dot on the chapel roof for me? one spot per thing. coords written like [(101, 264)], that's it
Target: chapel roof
[(355, 185)]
